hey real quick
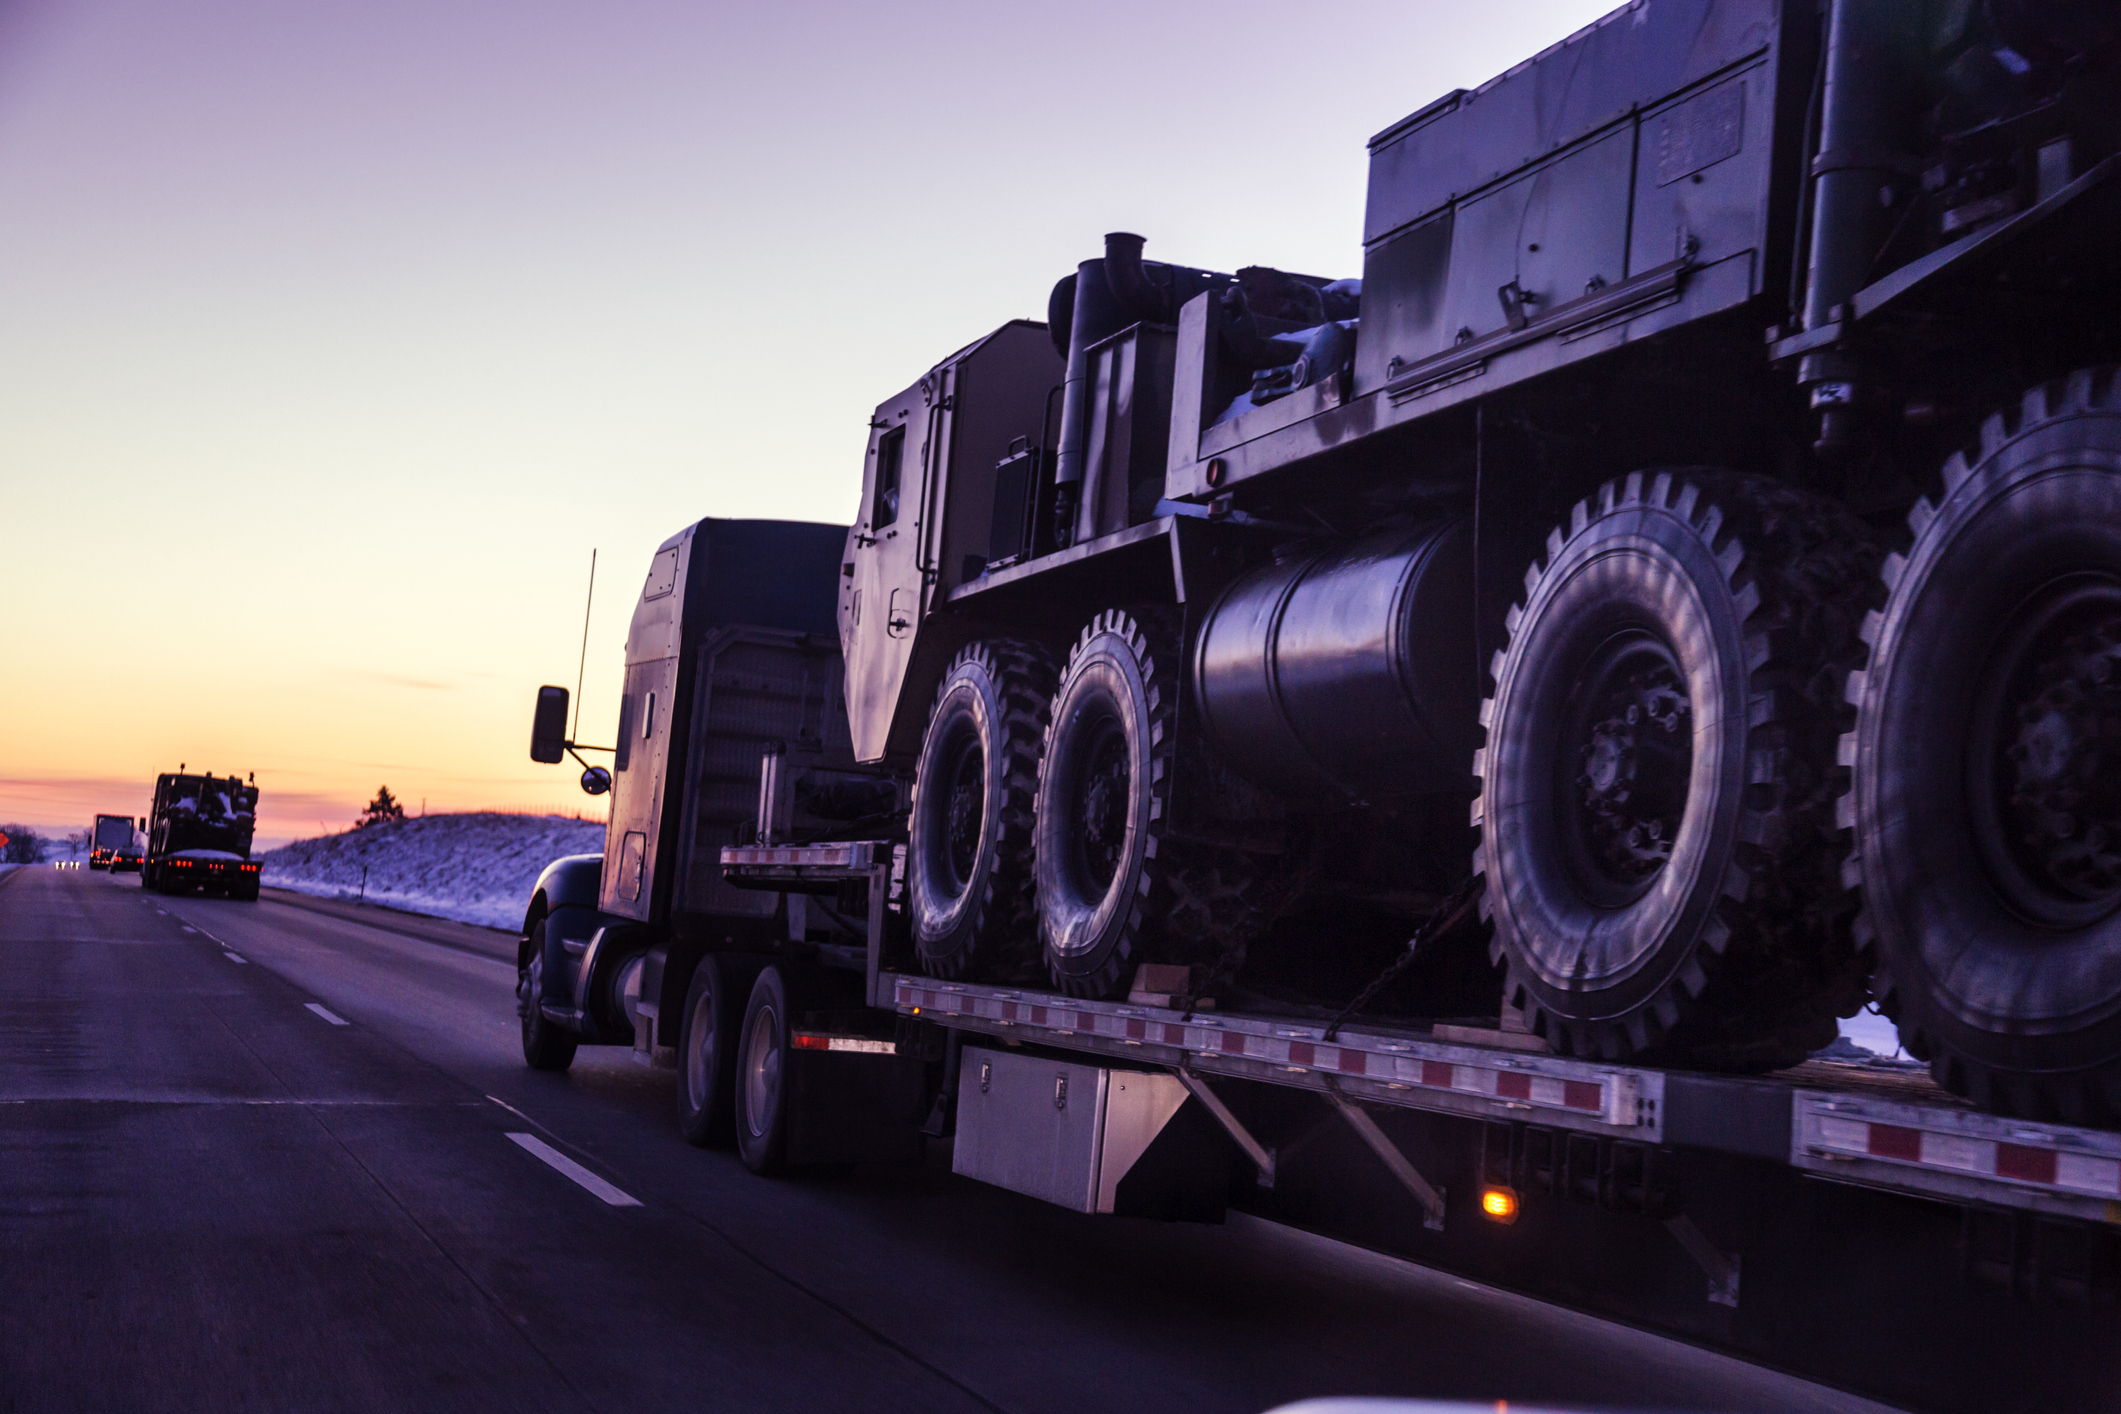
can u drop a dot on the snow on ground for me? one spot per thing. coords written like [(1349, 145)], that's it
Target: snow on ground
[(1873, 1032), (474, 868)]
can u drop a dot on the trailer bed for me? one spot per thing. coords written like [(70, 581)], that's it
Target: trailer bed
[(1886, 1127), (1876, 1125)]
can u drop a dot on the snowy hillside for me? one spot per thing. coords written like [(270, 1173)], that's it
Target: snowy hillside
[(475, 868)]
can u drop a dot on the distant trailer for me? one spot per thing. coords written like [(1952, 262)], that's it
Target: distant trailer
[(113, 836)]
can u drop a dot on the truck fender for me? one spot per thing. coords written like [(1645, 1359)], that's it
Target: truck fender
[(571, 880)]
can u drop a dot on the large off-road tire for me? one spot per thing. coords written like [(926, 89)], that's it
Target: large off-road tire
[(968, 854), (1113, 890), (762, 1078), (1985, 784), (545, 1046), (1657, 787), (707, 1039)]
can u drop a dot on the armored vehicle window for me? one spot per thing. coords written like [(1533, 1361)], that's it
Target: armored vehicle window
[(648, 718), (890, 452), (662, 575)]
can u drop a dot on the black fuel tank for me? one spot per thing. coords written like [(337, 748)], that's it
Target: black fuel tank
[(1347, 673)]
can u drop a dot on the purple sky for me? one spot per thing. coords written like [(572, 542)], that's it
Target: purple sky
[(332, 338)]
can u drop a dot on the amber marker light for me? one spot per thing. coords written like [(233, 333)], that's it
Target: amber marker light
[(1498, 1204)]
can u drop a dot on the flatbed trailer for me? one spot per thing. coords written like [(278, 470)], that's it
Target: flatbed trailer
[(1848, 1220)]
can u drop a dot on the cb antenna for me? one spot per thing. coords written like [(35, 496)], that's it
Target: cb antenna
[(584, 663)]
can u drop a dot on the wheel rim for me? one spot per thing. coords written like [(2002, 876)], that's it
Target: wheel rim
[(701, 1053), (1103, 790), (532, 990), (2045, 804), (1622, 776), (965, 807), (762, 1070), (1091, 795)]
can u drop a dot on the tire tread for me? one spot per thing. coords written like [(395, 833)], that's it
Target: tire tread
[(1774, 965)]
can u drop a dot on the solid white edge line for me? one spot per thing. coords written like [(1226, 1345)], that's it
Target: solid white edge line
[(326, 1013), (617, 1198), (233, 958)]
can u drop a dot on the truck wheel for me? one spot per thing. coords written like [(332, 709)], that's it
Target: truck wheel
[(1985, 789), (1655, 811), (545, 1046), (1103, 870), (762, 1076), (968, 856), (707, 1040)]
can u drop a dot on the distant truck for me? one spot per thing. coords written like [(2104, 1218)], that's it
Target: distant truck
[(199, 836), (112, 838)]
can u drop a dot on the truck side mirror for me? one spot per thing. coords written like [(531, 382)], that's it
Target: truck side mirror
[(596, 780), (143, 824), (548, 727)]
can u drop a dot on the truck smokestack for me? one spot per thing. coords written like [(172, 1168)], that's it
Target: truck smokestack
[(1130, 281)]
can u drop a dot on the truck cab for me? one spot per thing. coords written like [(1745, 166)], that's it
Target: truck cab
[(732, 660)]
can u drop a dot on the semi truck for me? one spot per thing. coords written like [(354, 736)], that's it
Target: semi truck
[(199, 835), (1430, 756), (110, 841)]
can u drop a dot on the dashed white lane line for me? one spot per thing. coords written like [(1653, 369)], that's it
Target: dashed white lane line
[(325, 1012), (244, 961), (616, 1197), (187, 927)]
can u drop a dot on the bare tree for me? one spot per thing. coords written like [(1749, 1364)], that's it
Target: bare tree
[(23, 845), (76, 841)]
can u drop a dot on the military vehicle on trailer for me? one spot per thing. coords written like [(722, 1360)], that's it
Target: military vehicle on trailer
[(1507, 701), (199, 836)]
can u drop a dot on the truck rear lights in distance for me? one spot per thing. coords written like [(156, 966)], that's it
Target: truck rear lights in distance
[(816, 1041), (1498, 1204)]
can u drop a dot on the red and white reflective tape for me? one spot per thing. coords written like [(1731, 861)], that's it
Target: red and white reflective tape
[(1513, 1083), (858, 854), (858, 1045), (1929, 1148)]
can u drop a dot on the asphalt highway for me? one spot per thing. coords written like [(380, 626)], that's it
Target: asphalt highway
[(285, 1155)]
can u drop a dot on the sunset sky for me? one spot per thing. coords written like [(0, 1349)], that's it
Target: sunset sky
[(334, 337)]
